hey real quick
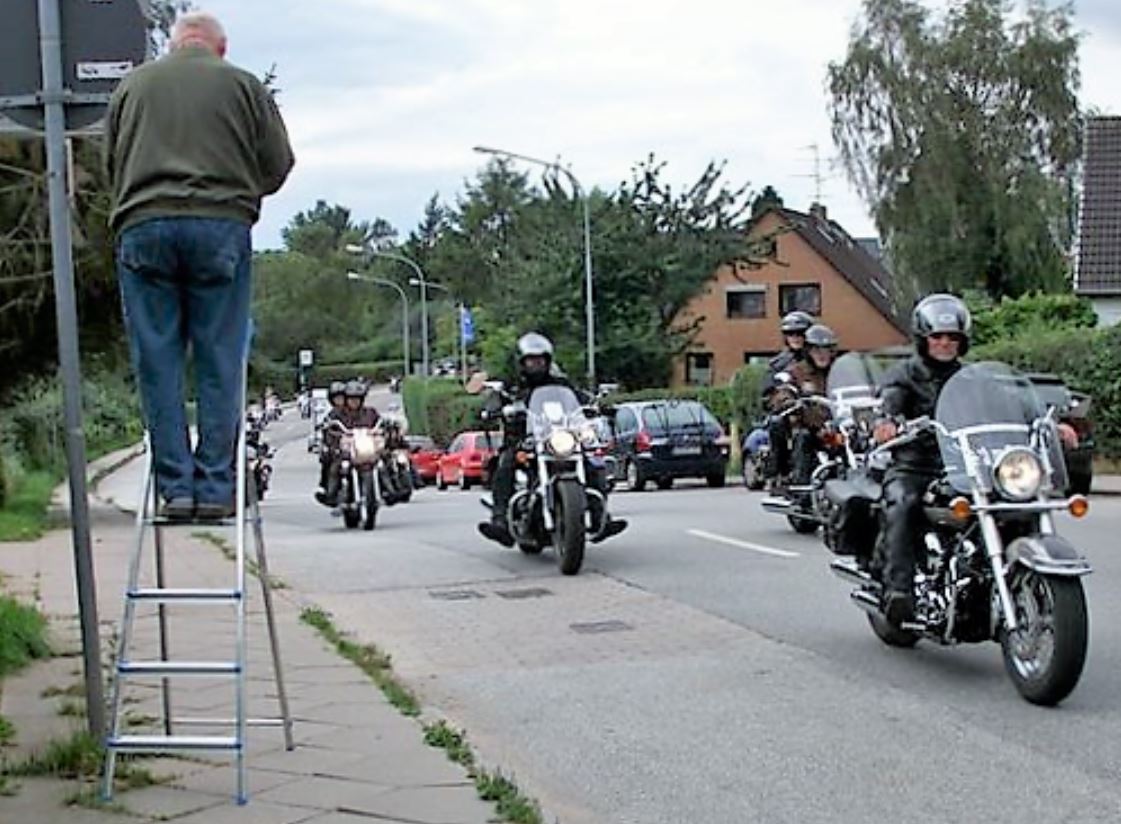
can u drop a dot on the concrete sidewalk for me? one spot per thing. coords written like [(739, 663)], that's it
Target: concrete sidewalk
[(356, 757)]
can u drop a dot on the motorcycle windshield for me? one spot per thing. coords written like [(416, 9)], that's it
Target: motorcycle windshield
[(553, 407), (986, 408), (853, 382)]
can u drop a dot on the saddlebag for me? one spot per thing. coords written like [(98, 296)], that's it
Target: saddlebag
[(852, 522)]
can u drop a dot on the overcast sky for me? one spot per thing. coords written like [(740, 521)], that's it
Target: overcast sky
[(384, 99)]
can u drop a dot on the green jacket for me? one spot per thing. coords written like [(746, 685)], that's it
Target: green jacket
[(192, 135)]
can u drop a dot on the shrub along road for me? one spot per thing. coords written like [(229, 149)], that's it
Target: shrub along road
[(705, 666)]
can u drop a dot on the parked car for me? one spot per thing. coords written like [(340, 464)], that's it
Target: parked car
[(661, 440), (424, 456), (465, 461), (1073, 408)]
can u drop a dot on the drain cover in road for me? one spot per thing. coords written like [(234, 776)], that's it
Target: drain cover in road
[(457, 594), (529, 592), (596, 627)]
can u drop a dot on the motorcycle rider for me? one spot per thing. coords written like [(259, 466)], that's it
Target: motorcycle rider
[(809, 377), (352, 414), (536, 369), (940, 327), (794, 326)]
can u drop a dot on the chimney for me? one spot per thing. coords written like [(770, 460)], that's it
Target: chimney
[(818, 211)]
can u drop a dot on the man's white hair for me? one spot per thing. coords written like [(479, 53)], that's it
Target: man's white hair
[(197, 26)]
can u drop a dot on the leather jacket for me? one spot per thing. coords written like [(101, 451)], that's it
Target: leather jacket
[(910, 390)]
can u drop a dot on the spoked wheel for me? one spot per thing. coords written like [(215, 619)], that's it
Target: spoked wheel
[(568, 531), (1045, 654), (752, 477)]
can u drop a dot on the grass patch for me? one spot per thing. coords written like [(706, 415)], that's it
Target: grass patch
[(75, 690), (7, 732), (22, 635), (491, 786), (368, 658), (82, 758), (24, 516), (72, 709)]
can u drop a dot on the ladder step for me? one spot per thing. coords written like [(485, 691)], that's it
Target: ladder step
[(178, 668), (228, 722), (148, 743), (161, 521), (183, 595)]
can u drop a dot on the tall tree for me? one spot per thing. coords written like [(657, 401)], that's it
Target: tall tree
[(962, 133)]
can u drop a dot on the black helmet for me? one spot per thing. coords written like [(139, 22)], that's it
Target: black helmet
[(355, 389), (941, 313), (794, 323), (336, 388), (530, 345), (821, 336)]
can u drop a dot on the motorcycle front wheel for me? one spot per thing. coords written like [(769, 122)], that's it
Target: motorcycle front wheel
[(368, 509), (1045, 655), (350, 508), (569, 505)]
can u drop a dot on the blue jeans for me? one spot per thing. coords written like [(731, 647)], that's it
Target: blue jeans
[(186, 281)]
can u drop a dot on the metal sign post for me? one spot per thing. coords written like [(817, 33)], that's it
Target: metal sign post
[(84, 48)]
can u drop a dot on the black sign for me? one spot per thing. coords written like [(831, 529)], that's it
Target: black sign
[(101, 41)]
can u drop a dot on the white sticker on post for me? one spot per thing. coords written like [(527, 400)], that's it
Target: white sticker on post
[(104, 70)]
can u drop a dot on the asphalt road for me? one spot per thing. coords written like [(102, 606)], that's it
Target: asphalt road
[(704, 666)]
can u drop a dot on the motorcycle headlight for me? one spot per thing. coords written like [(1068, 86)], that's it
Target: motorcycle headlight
[(588, 435), (1018, 474), (562, 443), (366, 447)]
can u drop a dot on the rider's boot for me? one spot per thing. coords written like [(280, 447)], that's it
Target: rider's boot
[(496, 529)]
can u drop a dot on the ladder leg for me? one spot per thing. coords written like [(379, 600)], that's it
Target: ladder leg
[(124, 635), (270, 617), (241, 698), (161, 582)]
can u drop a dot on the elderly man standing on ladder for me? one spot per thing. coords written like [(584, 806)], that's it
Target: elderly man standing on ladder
[(192, 144)]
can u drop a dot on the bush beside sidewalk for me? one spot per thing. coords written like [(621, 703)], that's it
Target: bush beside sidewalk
[(355, 753)]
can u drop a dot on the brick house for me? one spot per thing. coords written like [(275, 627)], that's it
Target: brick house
[(1097, 268), (816, 267)]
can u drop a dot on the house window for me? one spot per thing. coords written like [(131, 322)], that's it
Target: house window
[(746, 301), (698, 368), (757, 357), (804, 297)]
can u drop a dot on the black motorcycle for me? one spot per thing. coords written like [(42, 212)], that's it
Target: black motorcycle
[(258, 455), (994, 566), (396, 468)]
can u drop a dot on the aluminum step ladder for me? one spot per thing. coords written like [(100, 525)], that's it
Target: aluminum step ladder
[(247, 516)]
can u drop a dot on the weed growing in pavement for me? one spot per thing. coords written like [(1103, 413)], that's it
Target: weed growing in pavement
[(7, 732), (491, 786), (72, 709), (367, 657), (75, 690), (230, 554), (22, 635)]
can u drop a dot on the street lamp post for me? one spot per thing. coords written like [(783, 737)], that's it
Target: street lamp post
[(404, 310), (459, 334), (589, 302), (357, 249)]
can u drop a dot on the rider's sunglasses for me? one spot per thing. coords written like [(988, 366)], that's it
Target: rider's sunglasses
[(944, 336)]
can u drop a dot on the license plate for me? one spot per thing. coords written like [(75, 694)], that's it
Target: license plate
[(686, 450)]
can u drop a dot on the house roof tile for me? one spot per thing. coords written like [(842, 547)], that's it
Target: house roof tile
[(1098, 268)]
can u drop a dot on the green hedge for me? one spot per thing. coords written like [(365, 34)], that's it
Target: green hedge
[(1089, 360), (739, 403), (33, 422), (439, 408)]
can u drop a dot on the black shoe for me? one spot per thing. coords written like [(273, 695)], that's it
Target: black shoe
[(213, 511), (613, 528), (496, 531), (327, 500), (177, 509), (899, 608)]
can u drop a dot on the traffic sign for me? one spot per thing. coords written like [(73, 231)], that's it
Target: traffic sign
[(102, 40)]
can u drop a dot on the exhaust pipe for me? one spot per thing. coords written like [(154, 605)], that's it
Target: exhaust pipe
[(848, 571), (777, 506), (866, 601)]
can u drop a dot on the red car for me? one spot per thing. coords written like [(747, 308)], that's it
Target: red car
[(465, 461), (424, 456)]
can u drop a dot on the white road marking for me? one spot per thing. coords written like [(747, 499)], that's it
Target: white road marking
[(723, 539)]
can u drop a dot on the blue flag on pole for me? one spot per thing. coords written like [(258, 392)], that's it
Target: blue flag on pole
[(466, 324)]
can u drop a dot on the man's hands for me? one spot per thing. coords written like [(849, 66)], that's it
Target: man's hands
[(1068, 435)]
